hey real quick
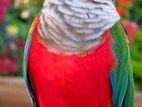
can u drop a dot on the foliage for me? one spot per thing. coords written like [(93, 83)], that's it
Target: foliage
[(136, 53), (14, 27)]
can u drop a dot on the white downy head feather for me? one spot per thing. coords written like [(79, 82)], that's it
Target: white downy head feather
[(76, 26)]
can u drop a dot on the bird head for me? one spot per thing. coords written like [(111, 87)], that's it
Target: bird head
[(77, 25)]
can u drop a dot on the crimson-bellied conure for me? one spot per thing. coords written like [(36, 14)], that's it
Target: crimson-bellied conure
[(71, 60)]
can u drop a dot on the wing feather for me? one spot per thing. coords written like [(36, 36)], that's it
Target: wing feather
[(28, 80), (122, 78)]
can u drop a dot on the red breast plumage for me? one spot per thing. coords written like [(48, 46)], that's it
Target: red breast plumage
[(74, 80)]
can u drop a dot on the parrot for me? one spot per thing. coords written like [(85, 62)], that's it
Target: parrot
[(77, 55)]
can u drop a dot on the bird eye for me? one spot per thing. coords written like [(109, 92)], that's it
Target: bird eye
[(95, 1)]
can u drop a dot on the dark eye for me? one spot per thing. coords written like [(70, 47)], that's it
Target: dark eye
[(95, 1)]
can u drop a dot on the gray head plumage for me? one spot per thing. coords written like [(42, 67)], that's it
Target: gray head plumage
[(75, 26)]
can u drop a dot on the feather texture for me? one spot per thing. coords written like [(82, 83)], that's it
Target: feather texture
[(25, 63), (122, 79), (76, 24), (73, 80)]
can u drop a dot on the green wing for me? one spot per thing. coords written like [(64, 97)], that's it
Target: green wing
[(25, 65), (122, 77)]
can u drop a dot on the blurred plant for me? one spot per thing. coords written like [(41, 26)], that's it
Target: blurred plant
[(8, 64), (15, 23), (136, 53), (4, 4), (131, 30), (10, 58), (123, 6)]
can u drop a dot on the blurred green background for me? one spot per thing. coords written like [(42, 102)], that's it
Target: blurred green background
[(16, 17)]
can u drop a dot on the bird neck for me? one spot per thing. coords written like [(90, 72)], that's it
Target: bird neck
[(75, 26)]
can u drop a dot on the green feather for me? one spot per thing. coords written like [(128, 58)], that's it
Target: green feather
[(27, 48), (25, 65), (123, 86)]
